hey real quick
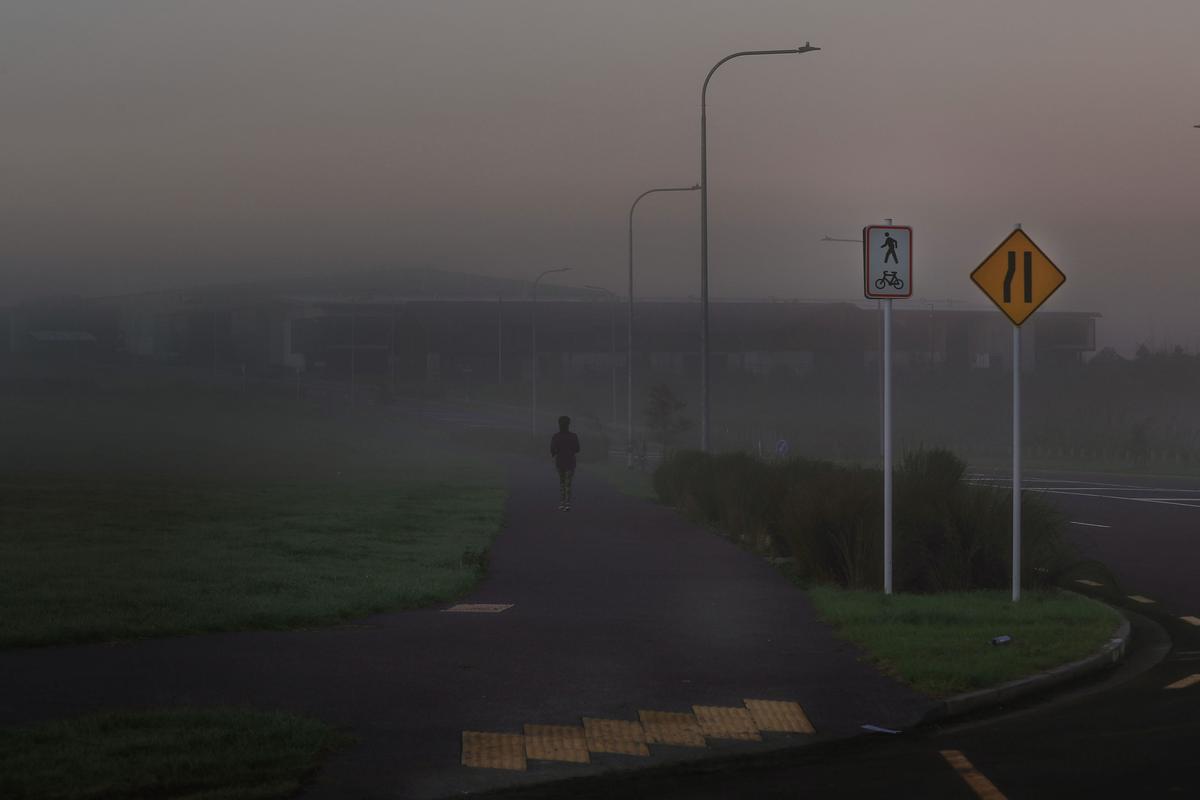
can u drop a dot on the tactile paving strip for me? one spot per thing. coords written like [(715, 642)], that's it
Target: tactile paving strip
[(615, 736), (721, 722), (779, 715), (556, 743), (669, 727), (493, 750)]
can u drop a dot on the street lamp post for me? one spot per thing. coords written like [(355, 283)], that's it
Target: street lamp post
[(629, 339), (533, 329), (704, 404), (612, 344)]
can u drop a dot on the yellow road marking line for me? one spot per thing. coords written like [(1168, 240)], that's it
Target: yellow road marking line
[(1086, 582), (1137, 598), (779, 715), (1183, 683), (615, 736), (727, 723), (1191, 620), (556, 743), (978, 782), (669, 727), (493, 750)]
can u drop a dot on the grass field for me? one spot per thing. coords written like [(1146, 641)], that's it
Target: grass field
[(159, 512), (941, 644), (214, 754)]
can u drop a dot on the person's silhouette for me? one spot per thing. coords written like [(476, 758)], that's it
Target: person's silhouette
[(563, 447), (890, 244)]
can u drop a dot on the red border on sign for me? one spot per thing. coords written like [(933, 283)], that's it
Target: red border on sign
[(867, 262)]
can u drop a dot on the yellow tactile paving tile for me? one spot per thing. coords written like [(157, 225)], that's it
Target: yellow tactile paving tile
[(1184, 683), (556, 743), (779, 715), (619, 736), (1086, 582), (983, 788), (1191, 620), (670, 727), (493, 750), (1137, 598), (719, 722)]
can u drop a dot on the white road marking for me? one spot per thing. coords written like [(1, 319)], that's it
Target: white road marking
[(1137, 598), (1090, 524), (1118, 497), (1028, 479), (1094, 487)]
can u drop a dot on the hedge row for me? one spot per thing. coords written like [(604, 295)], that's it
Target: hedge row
[(949, 535)]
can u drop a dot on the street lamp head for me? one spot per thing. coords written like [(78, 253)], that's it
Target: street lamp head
[(695, 186), (807, 48)]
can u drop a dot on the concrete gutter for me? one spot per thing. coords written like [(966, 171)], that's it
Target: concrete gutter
[(1108, 655)]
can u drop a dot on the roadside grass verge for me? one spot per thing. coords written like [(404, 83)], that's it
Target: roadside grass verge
[(940, 644), (115, 559), (214, 754), (170, 514)]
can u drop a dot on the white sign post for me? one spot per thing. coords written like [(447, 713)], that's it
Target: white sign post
[(1018, 277), (887, 274)]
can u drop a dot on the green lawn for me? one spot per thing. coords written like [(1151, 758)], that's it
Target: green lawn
[(940, 644), (160, 514), (211, 754)]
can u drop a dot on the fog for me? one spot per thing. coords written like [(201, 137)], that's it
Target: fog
[(159, 145)]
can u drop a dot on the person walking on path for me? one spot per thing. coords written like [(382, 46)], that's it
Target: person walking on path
[(563, 446)]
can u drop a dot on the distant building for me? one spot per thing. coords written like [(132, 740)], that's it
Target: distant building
[(419, 325)]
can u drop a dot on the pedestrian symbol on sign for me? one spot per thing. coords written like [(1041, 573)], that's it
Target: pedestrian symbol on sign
[(890, 244)]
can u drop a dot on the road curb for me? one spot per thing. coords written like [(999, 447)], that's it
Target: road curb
[(1110, 654)]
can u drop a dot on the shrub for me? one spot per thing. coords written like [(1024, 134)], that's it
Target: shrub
[(954, 536), (950, 535), (831, 522)]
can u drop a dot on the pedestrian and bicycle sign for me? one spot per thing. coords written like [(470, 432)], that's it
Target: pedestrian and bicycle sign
[(887, 261), (1018, 277)]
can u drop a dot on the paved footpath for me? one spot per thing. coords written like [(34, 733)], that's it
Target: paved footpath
[(618, 607)]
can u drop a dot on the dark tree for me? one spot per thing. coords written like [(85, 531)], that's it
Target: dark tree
[(664, 415)]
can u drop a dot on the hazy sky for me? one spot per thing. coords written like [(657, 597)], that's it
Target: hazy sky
[(156, 143)]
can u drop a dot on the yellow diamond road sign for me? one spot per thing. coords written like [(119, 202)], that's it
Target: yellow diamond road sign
[(1018, 276)]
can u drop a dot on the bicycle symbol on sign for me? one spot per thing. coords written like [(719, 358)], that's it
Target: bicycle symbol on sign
[(889, 279)]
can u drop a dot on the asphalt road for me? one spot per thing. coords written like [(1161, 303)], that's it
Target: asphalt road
[(1145, 530), (1123, 734)]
